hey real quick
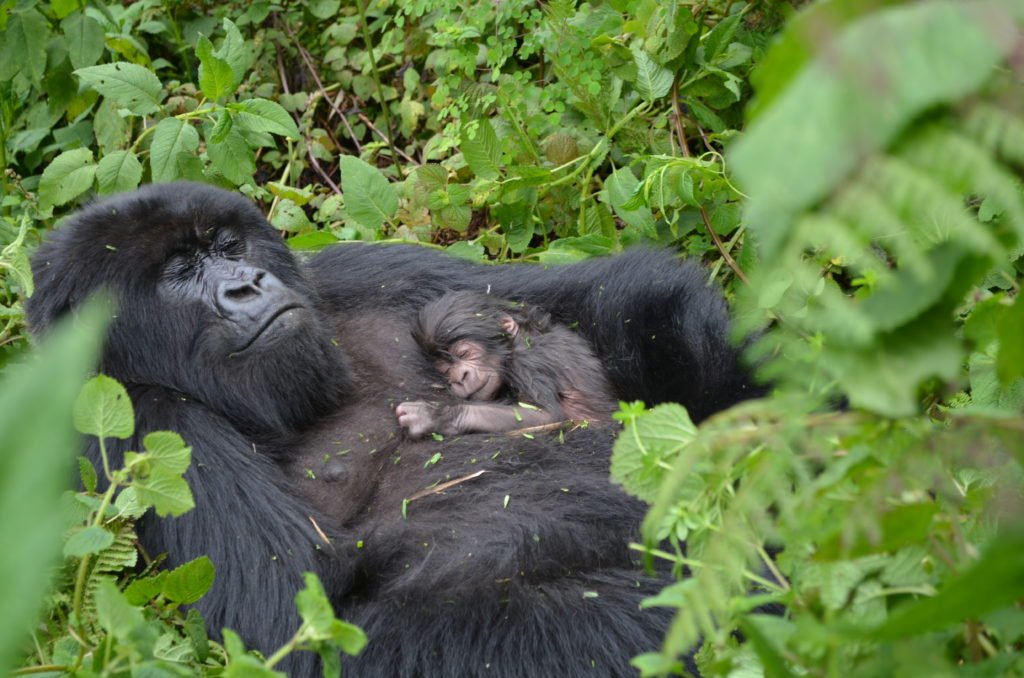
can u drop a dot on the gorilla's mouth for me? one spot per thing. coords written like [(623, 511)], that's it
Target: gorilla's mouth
[(267, 324)]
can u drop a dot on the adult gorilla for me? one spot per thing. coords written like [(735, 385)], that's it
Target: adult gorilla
[(283, 377)]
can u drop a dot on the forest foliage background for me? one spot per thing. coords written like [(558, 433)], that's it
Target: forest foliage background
[(850, 172)]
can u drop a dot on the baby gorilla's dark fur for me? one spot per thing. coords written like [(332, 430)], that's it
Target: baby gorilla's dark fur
[(492, 350)]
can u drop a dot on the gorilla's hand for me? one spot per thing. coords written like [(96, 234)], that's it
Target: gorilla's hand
[(418, 417)]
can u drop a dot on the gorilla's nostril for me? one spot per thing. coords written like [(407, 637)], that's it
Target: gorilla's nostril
[(243, 293)]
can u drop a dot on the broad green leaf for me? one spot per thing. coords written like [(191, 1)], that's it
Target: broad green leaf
[(289, 217), (23, 45), (167, 449), (299, 196), (171, 138), (69, 175), (118, 171), (88, 540), (619, 188), (37, 451), (166, 492), (653, 80), (62, 8), (233, 157), (466, 249), (84, 37), (577, 248), (481, 149), (312, 241), (318, 613), (103, 409), (188, 583), (243, 665), (262, 115), (216, 79), (369, 198), (115, 613), (129, 85), (644, 450)]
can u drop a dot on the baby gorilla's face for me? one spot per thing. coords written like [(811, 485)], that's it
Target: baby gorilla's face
[(472, 373)]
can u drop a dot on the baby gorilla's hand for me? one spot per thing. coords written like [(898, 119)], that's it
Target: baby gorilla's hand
[(417, 417)]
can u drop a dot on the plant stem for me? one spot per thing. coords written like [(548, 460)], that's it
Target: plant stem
[(360, 4)]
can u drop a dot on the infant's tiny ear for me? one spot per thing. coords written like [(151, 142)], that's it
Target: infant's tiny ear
[(509, 325)]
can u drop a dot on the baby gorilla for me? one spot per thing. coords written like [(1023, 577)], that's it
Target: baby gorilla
[(492, 349)]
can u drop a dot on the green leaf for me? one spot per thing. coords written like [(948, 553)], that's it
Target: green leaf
[(1010, 359), (318, 614), (289, 217), (88, 540), (262, 115), (103, 409), (619, 188), (992, 582), (172, 138), (851, 101), (69, 175), (129, 85), (114, 612), (369, 198), (233, 157), (188, 583), (481, 149), (572, 249), (653, 80), (23, 47), (235, 52), (644, 450), (118, 171), (168, 450), (36, 457), (84, 37), (87, 472), (216, 79), (166, 492)]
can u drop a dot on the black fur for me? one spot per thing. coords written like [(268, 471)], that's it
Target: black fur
[(299, 427)]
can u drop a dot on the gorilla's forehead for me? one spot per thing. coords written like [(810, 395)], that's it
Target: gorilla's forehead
[(137, 232)]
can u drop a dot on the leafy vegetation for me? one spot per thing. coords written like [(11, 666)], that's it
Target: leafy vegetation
[(850, 173)]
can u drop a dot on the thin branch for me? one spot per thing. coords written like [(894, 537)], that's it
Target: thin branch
[(721, 247), (437, 489), (677, 118)]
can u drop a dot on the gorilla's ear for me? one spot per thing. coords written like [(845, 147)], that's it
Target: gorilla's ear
[(509, 325)]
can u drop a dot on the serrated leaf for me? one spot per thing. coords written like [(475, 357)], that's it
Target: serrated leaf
[(221, 127), (289, 217), (262, 115), (171, 138), (314, 606), (168, 449), (89, 540), (233, 157), (1010, 358), (84, 37), (235, 52), (644, 451), (69, 175), (166, 492), (216, 79), (369, 198), (118, 171), (129, 85), (188, 583), (653, 80), (23, 48), (103, 409), (87, 472), (481, 149)]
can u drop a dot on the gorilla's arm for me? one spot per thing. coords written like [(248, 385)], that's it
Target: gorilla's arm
[(259, 536), (660, 331)]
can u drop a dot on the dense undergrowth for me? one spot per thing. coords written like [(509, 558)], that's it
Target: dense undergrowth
[(850, 173)]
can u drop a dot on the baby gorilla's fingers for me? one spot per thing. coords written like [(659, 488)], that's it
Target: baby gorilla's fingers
[(416, 417)]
